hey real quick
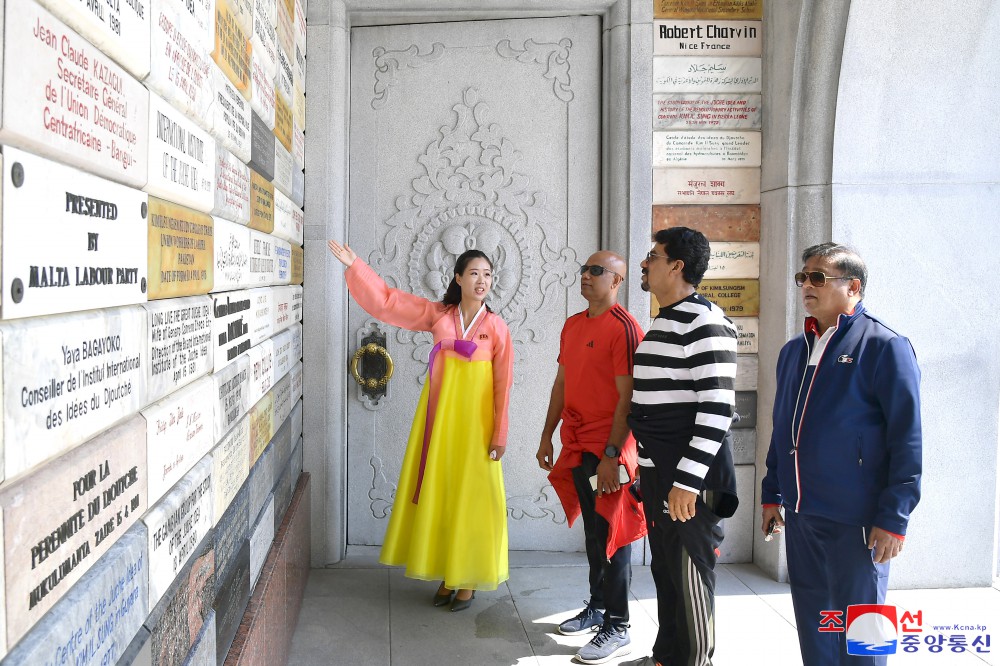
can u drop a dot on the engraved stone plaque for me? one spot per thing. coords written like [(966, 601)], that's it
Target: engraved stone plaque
[(230, 116), (287, 307), (73, 102), (299, 220), (262, 307), (67, 378), (726, 38), (119, 29), (296, 374), (95, 621), (746, 372), (200, 35), (708, 9), (261, 482), (706, 73), (733, 260), (706, 186), (260, 540), (738, 298), (179, 343), (746, 327), (232, 187), (181, 158), (95, 235), (298, 264), (282, 169), (283, 121), (230, 534), (285, 35), (296, 304), (231, 51), (296, 420), (231, 465), (262, 255), (281, 443), (282, 492), (261, 371), (287, 350), (282, 393), (262, 147), (180, 430), (282, 262), (300, 41), (232, 392), (718, 223), (181, 69), (296, 461), (744, 445), (90, 496), (233, 321), (705, 111), (261, 203), (298, 187), (263, 41), (203, 652), (706, 149), (261, 95), (298, 146), (232, 256), (231, 603), (288, 219), (180, 250), (746, 407), (176, 525), (261, 426)]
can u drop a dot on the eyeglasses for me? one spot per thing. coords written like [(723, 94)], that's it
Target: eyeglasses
[(818, 278), (652, 255), (596, 270)]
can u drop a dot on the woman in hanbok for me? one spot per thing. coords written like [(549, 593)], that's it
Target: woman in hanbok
[(449, 517)]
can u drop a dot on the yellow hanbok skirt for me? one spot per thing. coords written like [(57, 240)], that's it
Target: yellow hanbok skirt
[(457, 532)]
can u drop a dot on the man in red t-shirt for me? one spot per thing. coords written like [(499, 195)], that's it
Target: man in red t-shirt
[(591, 396)]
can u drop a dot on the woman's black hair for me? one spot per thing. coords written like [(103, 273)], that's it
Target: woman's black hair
[(453, 296)]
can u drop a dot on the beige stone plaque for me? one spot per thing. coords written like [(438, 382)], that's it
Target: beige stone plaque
[(706, 186), (261, 203), (283, 122), (746, 328), (181, 250), (738, 298), (746, 372), (232, 47), (706, 149), (297, 264), (708, 9), (230, 460), (718, 223), (695, 111), (285, 29), (728, 38), (734, 260), (706, 73), (298, 148), (261, 426), (232, 390)]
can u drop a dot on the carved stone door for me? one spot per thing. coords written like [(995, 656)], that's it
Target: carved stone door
[(483, 135)]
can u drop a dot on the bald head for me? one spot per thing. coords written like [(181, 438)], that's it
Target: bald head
[(609, 260), (601, 291)]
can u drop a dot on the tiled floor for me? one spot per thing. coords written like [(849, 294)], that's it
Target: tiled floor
[(363, 614)]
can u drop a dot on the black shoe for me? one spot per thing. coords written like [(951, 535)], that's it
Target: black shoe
[(462, 604), (588, 620), (443, 599)]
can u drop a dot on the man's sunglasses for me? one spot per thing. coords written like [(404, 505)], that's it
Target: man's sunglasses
[(818, 278), (596, 270)]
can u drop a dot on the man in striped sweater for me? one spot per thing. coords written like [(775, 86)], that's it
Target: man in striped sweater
[(682, 407)]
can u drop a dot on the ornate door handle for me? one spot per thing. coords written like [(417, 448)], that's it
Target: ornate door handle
[(376, 368)]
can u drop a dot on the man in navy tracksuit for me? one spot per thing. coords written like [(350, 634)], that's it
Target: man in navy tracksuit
[(845, 454)]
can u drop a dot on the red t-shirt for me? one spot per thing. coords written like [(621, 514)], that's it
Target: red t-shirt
[(593, 351)]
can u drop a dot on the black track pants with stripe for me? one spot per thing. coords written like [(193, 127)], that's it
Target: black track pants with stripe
[(683, 568)]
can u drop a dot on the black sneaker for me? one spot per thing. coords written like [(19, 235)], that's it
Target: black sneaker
[(583, 622), (606, 645)]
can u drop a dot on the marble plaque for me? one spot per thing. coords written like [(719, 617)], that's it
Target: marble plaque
[(298, 187), (180, 430), (261, 95), (296, 419), (231, 466), (694, 111), (287, 350), (233, 320), (746, 407), (283, 491), (299, 222), (282, 396), (282, 168), (738, 298), (95, 621), (296, 374), (262, 305), (708, 9), (230, 534), (95, 232), (232, 187), (285, 34), (73, 102), (200, 35), (180, 616), (300, 41), (67, 378), (59, 520), (261, 203), (261, 371), (282, 262), (261, 482), (706, 186), (718, 223), (262, 258), (203, 652), (706, 149), (261, 426), (179, 343), (264, 38), (181, 158), (232, 393), (288, 219), (296, 462), (176, 525), (746, 327), (262, 147), (281, 444), (726, 38), (230, 116), (181, 69), (733, 260), (180, 250), (231, 603), (298, 145), (746, 372), (261, 537), (296, 303), (232, 256), (287, 306), (231, 51), (298, 265), (706, 73), (283, 121), (744, 445)]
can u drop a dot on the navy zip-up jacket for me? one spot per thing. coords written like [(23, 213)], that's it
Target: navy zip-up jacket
[(856, 455)]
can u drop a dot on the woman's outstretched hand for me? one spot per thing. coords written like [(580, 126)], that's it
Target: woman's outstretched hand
[(344, 253)]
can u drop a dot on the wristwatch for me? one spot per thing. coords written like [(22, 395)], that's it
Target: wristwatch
[(611, 451)]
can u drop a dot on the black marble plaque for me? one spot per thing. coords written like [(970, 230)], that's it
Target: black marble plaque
[(231, 603), (746, 407), (230, 534), (261, 148)]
